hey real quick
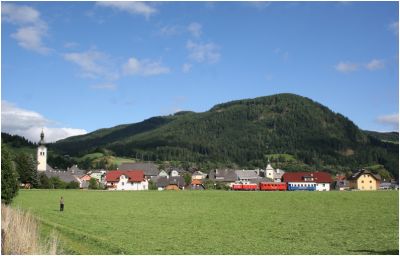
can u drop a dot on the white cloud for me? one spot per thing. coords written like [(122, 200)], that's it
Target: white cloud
[(392, 120), (394, 27), (106, 86), (29, 124), (31, 38), (195, 29), (170, 30), (140, 8), (94, 64), (375, 64), (282, 54), (186, 67), (19, 15), (208, 52), (346, 67), (70, 45), (144, 67), (31, 29)]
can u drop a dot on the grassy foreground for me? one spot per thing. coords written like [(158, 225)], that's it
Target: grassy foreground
[(219, 222)]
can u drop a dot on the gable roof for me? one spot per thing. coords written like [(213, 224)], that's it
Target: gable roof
[(360, 172), (247, 174), (149, 169), (162, 182), (62, 175), (223, 175), (133, 175), (318, 177)]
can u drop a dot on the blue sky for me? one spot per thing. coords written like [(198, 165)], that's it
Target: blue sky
[(74, 67)]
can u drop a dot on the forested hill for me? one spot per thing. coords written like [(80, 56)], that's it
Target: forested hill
[(245, 133), (385, 136)]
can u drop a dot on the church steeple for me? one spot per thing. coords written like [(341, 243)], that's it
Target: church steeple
[(42, 154), (41, 142)]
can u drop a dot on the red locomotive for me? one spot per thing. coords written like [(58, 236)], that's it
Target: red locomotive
[(273, 186)]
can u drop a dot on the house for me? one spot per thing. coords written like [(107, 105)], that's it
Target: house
[(85, 177), (273, 174), (197, 184), (163, 173), (149, 169), (161, 182), (246, 175), (226, 175), (175, 183), (341, 183), (126, 180), (174, 173), (319, 181), (198, 175), (364, 180), (99, 175)]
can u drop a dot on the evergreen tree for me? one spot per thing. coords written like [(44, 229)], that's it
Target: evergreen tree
[(9, 177), (26, 168)]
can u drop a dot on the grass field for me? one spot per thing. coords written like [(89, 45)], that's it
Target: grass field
[(219, 222)]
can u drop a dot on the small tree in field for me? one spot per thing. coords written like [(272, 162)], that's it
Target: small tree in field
[(9, 177), (93, 184)]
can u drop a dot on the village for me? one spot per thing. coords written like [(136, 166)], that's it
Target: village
[(147, 176)]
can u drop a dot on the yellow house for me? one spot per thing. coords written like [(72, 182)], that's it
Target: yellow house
[(364, 180)]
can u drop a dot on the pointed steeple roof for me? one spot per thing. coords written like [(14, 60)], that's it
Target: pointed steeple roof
[(41, 142)]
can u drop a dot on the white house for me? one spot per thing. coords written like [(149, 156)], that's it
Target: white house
[(126, 180)]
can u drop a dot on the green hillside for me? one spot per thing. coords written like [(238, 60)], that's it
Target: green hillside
[(385, 136), (243, 133)]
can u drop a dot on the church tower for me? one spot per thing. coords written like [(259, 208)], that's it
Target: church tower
[(42, 154)]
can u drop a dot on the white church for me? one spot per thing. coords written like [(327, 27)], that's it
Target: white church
[(71, 174)]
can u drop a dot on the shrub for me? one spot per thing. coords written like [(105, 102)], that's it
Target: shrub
[(73, 185), (93, 184)]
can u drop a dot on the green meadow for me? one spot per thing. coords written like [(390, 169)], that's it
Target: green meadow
[(218, 222)]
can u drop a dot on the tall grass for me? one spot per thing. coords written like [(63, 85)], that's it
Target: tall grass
[(21, 234)]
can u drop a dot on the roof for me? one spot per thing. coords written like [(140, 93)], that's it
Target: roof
[(75, 170), (62, 175), (223, 175), (149, 169), (133, 175), (197, 182), (162, 182), (177, 180), (246, 174), (357, 174), (317, 177)]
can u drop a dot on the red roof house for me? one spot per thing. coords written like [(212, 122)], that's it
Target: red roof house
[(320, 181), (126, 180), (133, 176)]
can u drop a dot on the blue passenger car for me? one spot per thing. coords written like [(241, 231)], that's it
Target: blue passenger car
[(301, 187)]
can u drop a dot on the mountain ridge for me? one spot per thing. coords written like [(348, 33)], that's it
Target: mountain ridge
[(242, 133)]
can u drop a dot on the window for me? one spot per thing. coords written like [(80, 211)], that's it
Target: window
[(123, 183), (323, 185), (362, 181), (370, 187), (370, 181)]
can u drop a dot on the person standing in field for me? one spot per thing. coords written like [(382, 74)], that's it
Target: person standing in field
[(61, 204)]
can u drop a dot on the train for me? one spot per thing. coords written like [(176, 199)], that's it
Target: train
[(263, 186), (273, 186)]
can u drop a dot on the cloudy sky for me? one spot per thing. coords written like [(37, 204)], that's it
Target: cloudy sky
[(74, 67)]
